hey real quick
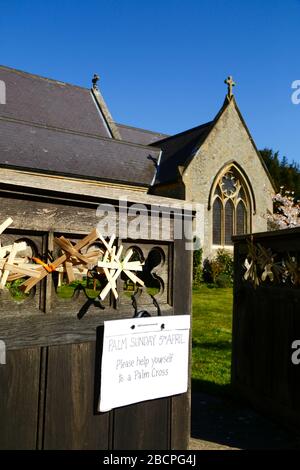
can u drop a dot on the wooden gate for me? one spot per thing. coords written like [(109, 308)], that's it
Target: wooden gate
[(266, 322), (50, 383)]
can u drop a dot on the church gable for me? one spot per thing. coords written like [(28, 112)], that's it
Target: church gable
[(229, 149), (229, 141)]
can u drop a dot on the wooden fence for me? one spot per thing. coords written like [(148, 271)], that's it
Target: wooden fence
[(266, 321)]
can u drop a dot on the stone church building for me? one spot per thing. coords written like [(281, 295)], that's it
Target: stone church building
[(65, 131)]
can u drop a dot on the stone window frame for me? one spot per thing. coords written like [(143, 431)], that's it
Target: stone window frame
[(217, 193)]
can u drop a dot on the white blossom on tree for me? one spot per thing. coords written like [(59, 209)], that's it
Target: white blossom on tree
[(286, 211)]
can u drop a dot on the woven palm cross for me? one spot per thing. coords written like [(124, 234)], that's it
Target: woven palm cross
[(11, 267), (113, 266), (72, 261), (71, 257)]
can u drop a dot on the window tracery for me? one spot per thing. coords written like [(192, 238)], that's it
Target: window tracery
[(231, 208)]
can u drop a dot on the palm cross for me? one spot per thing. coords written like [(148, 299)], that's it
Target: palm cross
[(113, 266), (11, 267), (71, 261)]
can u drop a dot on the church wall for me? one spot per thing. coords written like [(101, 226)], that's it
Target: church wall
[(174, 190), (228, 141)]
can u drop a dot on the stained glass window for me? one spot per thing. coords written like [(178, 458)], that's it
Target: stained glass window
[(217, 222), (240, 218), (231, 213)]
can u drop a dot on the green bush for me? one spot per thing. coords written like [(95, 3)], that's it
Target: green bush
[(225, 260), (223, 280), (219, 270), (197, 267)]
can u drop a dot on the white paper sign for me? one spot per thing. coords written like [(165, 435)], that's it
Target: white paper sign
[(143, 359)]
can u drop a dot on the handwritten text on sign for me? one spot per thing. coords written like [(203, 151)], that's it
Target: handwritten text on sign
[(143, 359)]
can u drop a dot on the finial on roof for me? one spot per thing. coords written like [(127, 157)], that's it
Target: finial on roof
[(230, 84), (95, 79)]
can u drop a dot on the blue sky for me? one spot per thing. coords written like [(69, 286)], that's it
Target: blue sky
[(163, 62)]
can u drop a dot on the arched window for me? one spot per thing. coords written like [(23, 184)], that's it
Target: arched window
[(229, 214), (231, 208), (241, 218), (217, 221)]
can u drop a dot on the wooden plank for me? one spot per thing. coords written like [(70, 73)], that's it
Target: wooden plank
[(180, 421), (44, 330), (243, 358), (56, 216), (19, 386), (281, 315), (182, 279), (236, 308), (70, 419), (182, 303), (294, 370), (42, 398), (144, 426), (257, 348)]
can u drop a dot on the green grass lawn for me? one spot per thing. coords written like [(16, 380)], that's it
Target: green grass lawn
[(212, 317), (66, 291)]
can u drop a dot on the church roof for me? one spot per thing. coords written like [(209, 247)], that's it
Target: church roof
[(50, 103), (53, 127), (36, 148), (178, 149), (139, 136)]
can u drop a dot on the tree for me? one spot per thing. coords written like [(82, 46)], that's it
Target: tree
[(286, 212), (283, 173)]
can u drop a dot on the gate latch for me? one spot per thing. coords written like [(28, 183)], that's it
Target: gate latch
[(144, 313)]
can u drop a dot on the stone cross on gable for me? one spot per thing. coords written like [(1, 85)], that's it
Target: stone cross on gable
[(230, 83)]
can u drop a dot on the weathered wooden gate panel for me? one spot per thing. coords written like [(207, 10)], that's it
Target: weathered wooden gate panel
[(50, 384), (182, 300), (70, 421), (143, 426), (266, 321), (19, 399)]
